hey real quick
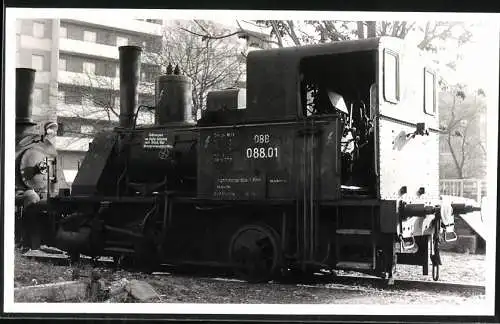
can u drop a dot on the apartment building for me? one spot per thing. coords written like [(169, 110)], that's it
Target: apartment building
[(77, 79)]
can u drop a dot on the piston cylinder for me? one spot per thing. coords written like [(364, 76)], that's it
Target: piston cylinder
[(130, 66), (173, 99)]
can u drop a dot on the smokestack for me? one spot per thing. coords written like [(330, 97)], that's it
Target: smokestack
[(25, 84), (130, 66)]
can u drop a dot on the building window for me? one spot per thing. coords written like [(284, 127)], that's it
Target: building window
[(73, 99), (37, 62), (109, 70), (62, 64), (121, 41), (37, 96), (430, 92), (38, 29), (88, 101), (63, 32), (60, 132), (89, 36), (61, 95), (89, 67), (86, 129), (391, 77)]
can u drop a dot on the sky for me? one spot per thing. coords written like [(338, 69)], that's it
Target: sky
[(475, 68)]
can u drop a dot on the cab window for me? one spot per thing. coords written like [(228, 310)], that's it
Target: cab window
[(429, 92), (391, 76)]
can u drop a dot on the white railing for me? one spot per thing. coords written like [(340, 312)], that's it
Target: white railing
[(97, 81), (88, 48), (85, 111), (468, 188), (99, 113)]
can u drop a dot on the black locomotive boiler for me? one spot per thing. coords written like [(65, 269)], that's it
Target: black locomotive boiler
[(328, 160)]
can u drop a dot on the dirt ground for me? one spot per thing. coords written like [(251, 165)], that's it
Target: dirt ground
[(182, 288)]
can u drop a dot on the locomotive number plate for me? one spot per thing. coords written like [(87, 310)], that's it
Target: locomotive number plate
[(261, 149)]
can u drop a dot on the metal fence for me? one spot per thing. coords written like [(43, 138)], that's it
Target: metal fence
[(467, 188)]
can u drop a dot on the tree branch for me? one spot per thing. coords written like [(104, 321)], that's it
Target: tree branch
[(277, 32), (291, 32), (207, 36)]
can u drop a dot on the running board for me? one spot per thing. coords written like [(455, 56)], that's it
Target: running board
[(348, 231), (349, 265), (119, 250)]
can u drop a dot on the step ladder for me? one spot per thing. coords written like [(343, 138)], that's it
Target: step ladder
[(344, 263)]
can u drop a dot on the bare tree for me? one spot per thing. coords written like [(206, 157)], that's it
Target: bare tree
[(460, 119), (206, 53), (98, 96), (93, 104)]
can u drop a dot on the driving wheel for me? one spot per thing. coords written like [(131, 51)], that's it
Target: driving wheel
[(255, 253)]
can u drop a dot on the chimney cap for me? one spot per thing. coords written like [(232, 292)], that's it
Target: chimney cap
[(130, 47)]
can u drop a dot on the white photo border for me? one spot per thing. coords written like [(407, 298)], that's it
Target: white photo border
[(485, 309)]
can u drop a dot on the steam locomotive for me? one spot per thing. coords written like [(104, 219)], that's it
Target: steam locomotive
[(327, 160)]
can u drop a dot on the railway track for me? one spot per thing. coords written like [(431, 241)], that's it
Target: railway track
[(317, 281), (404, 284)]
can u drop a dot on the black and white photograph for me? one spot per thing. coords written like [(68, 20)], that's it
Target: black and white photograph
[(250, 162)]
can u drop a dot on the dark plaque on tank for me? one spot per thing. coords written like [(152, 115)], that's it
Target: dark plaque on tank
[(155, 140)]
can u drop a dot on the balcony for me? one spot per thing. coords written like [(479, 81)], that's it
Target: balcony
[(128, 25), (97, 81), (87, 48), (42, 77), (98, 50), (98, 113), (26, 41), (86, 111)]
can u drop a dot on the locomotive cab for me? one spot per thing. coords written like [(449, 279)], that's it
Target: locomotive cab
[(345, 78)]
